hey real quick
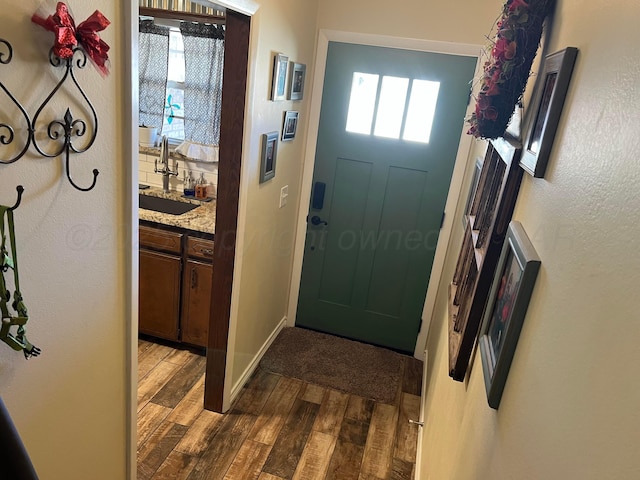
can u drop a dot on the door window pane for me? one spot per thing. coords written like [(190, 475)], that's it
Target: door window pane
[(393, 96), (422, 108), (362, 101)]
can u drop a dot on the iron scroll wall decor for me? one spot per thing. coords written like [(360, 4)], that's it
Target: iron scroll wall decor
[(61, 132), (68, 128), (7, 132)]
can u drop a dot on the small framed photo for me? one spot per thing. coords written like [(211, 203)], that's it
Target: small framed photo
[(290, 126), (548, 99), (269, 153), (296, 81), (473, 186), (507, 305), (279, 79)]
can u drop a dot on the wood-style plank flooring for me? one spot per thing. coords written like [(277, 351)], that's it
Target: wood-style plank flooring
[(278, 428)]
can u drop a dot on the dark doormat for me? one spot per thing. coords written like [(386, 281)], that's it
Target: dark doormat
[(337, 363)]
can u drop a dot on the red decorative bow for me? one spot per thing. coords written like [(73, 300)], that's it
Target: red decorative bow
[(68, 36)]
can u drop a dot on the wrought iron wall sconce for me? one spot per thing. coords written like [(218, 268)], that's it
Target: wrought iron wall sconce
[(62, 132)]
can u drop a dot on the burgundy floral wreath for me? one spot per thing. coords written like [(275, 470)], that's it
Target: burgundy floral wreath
[(507, 70)]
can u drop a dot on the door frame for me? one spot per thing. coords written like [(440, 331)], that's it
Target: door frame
[(464, 149)]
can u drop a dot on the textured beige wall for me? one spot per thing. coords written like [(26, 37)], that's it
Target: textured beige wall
[(440, 20), (569, 408), (266, 231), (69, 403)]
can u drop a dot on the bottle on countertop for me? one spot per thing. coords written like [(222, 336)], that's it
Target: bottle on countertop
[(189, 184), (211, 190), (201, 187)]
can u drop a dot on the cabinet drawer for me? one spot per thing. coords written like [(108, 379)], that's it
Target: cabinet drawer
[(160, 239), (200, 248)]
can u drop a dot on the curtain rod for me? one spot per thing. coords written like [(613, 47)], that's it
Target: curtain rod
[(187, 16)]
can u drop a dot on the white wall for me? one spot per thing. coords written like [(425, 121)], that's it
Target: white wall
[(69, 404), (569, 408)]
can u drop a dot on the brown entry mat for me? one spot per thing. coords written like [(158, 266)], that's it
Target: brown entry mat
[(337, 363)]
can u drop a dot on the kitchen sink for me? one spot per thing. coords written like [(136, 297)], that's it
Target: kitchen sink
[(165, 205)]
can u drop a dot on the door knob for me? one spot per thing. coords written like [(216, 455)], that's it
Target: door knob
[(316, 220)]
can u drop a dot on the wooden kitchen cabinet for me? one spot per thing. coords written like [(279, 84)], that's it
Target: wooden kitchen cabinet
[(175, 284), (196, 302), (196, 291), (159, 294)]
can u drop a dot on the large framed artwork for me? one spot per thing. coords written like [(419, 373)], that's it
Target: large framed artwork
[(487, 219), (506, 308), (549, 93)]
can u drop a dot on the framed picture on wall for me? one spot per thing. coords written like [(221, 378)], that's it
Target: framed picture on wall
[(290, 126), (279, 78), (473, 186), (296, 81), (509, 297), (269, 153), (548, 99)]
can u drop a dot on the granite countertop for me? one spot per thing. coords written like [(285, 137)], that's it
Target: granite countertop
[(201, 219)]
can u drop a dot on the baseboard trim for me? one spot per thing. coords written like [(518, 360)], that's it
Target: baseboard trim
[(237, 388)]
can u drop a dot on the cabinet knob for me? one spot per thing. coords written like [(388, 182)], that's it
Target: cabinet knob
[(207, 251), (194, 279)]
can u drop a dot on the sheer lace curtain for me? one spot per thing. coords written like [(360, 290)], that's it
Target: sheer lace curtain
[(204, 62), (153, 65)]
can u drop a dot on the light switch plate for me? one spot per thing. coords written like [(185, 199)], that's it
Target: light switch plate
[(284, 194)]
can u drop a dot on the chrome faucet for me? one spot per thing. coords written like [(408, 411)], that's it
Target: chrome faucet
[(164, 162)]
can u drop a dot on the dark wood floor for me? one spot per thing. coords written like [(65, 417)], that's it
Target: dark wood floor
[(278, 428)]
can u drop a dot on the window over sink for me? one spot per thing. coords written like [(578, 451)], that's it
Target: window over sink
[(180, 76)]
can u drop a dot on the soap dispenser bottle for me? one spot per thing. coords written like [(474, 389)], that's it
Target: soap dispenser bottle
[(189, 188), (201, 187)]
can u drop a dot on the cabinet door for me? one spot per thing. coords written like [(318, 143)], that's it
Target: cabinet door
[(196, 302), (159, 292)]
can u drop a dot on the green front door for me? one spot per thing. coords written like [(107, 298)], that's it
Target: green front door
[(390, 124)]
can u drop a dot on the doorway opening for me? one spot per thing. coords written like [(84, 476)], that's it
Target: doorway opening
[(230, 150)]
